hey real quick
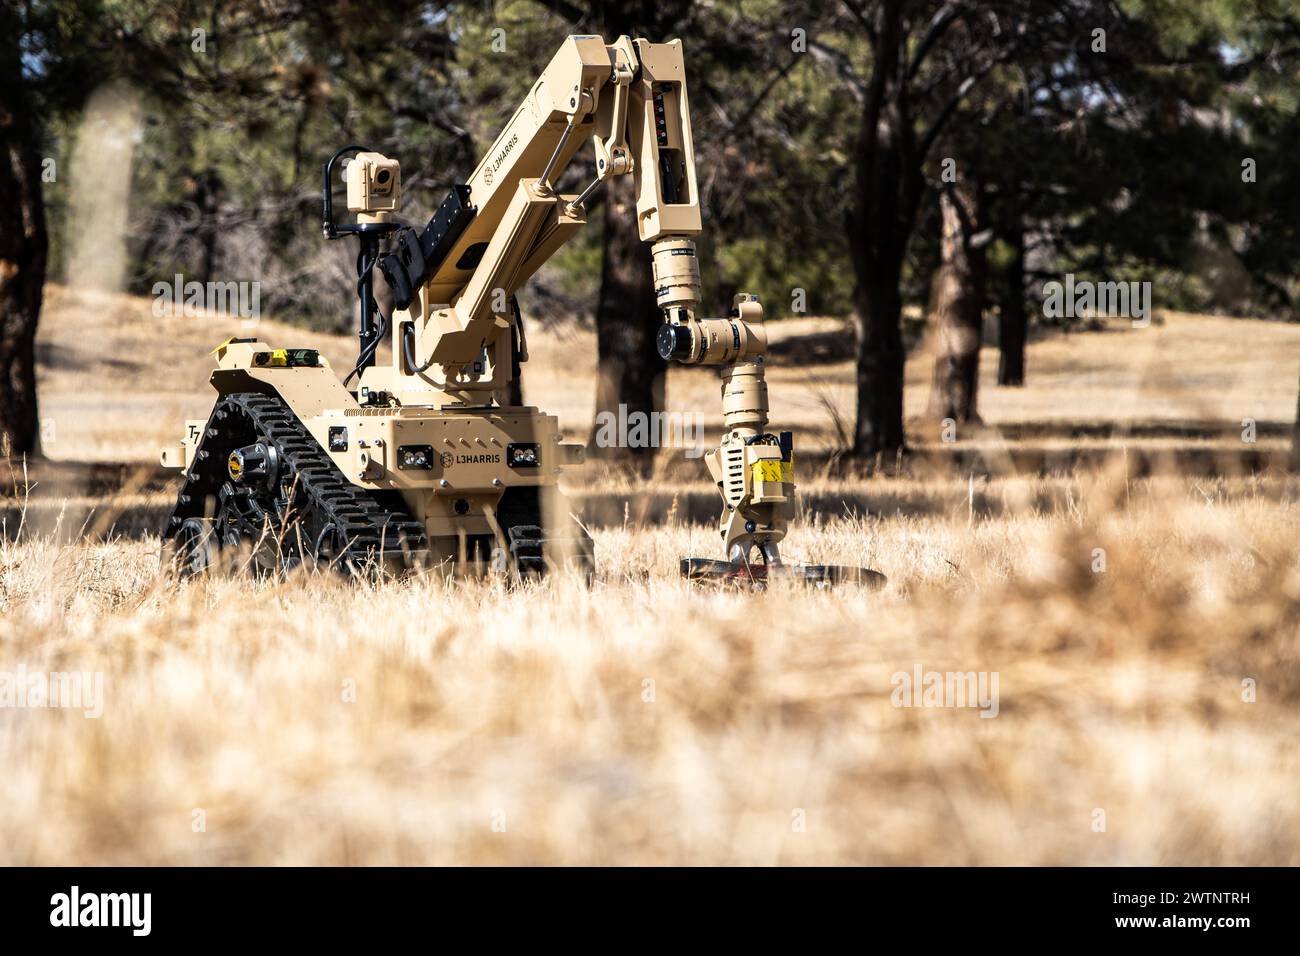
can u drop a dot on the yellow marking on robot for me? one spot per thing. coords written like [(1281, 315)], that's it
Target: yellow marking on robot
[(769, 470)]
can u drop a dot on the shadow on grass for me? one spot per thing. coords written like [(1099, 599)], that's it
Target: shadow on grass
[(79, 500)]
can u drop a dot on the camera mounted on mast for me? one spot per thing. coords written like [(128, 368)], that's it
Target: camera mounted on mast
[(374, 185)]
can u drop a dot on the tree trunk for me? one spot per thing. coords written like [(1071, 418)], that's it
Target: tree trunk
[(887, 187), (879, 369), (1013, 321), (1295, 439), (631, 372), (958, 312), (23, 247), (207, 199)]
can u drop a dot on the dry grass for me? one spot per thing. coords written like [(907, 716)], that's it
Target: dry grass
[(497, 726), (1119, 691), (116, 381)]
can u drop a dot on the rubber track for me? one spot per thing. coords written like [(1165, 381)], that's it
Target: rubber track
[(375, 529)]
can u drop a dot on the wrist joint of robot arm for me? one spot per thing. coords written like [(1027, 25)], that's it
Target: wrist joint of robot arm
[(684, 338)]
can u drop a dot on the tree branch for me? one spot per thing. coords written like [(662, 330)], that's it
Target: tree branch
[(863, 20), (842, 66), (939, 24)]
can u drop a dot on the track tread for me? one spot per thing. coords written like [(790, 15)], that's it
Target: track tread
[(321, 495)]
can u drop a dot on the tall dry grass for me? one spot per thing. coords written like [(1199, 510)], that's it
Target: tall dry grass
[(646, 721), (314, 720)]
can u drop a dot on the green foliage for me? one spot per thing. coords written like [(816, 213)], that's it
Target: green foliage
[(1124, 163)]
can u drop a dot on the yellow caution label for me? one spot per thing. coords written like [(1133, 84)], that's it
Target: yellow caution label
[(774, 471)]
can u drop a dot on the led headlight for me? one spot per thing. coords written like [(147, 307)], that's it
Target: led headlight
[(523, 454), (415, 456)]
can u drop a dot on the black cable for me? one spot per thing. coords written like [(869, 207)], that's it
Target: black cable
[(386, 320), (327, 198), (408, 351), (408, 344)]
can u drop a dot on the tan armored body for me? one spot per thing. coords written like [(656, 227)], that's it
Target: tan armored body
[(422, 462)]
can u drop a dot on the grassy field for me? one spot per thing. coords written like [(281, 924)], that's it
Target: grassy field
[(1109, 549), (116, 381)]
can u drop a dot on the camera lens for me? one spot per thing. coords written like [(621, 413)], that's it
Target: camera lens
[(674, 342), (383, 176)]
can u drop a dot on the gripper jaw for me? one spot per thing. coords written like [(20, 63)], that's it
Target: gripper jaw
[(755, 477), (754, 473)]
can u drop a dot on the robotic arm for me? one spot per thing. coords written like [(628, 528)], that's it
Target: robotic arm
[(629, 99), (454, 280)]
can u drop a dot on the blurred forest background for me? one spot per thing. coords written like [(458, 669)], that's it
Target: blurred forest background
[(904, 162)]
